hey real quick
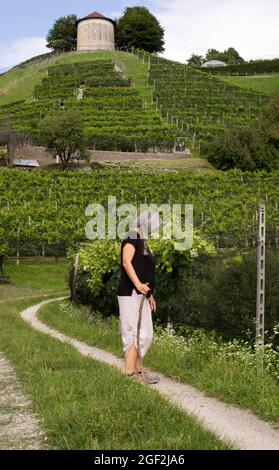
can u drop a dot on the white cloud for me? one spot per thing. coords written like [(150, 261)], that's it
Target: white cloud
[(194, 26), (21, 49)]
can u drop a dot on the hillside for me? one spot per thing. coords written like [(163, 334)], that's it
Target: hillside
[(133, 102), (264, 83), (200, 104), (116, 116)]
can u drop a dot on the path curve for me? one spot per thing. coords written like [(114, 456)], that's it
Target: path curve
[(20, 428), (241, 427)]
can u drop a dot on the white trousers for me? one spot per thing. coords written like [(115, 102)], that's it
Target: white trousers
[(129, 315)]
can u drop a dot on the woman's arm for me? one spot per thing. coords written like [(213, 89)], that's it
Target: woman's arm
[(128, 254), (153, 303)]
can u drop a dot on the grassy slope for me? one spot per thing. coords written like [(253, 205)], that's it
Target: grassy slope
[(19, 84), (138, 70), (221, 377), (264, 83), (82, 403)]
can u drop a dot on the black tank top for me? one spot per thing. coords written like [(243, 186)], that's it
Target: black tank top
[(142, 262)]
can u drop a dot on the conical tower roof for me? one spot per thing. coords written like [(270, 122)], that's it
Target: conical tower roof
[(96, 15)]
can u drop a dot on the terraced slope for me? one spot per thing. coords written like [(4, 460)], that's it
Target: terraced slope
[(154, 103), (199, 103), (115, 115)]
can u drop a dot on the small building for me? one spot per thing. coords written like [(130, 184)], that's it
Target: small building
[(214, 63), (26, 164), (95, 32)]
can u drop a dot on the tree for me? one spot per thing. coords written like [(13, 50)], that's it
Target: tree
[(62, 37), (213, 54), (63, 135), (250, 149), (11, 139), (140, 29), (196, 60), (229, 56), (247, 149)]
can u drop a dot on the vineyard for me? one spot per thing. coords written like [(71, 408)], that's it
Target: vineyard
[(42, 213), (202, 106), (172, 102), (114, 114)]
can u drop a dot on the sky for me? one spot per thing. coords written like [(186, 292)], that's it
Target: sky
[(191, 26)]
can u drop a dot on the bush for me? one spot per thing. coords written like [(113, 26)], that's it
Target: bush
[(246, 149), (98, 274), (210, 292), (254, 148)]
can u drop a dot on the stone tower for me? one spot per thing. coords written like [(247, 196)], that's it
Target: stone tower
[(95, 32)]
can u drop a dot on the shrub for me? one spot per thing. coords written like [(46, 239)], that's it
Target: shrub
[(247, 149)]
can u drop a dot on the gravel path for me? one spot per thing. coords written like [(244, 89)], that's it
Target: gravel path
[(239, 426), (19, 427)]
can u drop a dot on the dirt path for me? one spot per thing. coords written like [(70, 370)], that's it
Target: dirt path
[(239, 426), (19, 427)]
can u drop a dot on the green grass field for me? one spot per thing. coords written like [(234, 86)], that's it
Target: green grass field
[(82, 403), (264, 83), (233, 380)]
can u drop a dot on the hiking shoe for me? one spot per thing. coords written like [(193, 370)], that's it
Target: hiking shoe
[(151, 379), (147, 378)]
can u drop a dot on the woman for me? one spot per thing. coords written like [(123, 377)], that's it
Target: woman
[(137, 279)]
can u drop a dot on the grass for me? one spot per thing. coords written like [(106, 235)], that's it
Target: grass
[(84, 57), (197, 165), (139, 71), (264, 83), (46, 278), (19, 84), (82, 403), (228, 376)]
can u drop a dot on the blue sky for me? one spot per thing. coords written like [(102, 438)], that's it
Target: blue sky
[(191, 25)]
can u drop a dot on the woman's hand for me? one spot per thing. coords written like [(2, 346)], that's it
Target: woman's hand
[(152, 303), (143, 288)]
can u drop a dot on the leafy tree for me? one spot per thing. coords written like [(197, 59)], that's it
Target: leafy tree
[(248, 149), (63, 135), (229, 56), (62, 37), (140, 29), (213, 54), (11, 139), (196, 60)]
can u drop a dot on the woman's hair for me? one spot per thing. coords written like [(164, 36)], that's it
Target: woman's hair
[(148, 222)]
